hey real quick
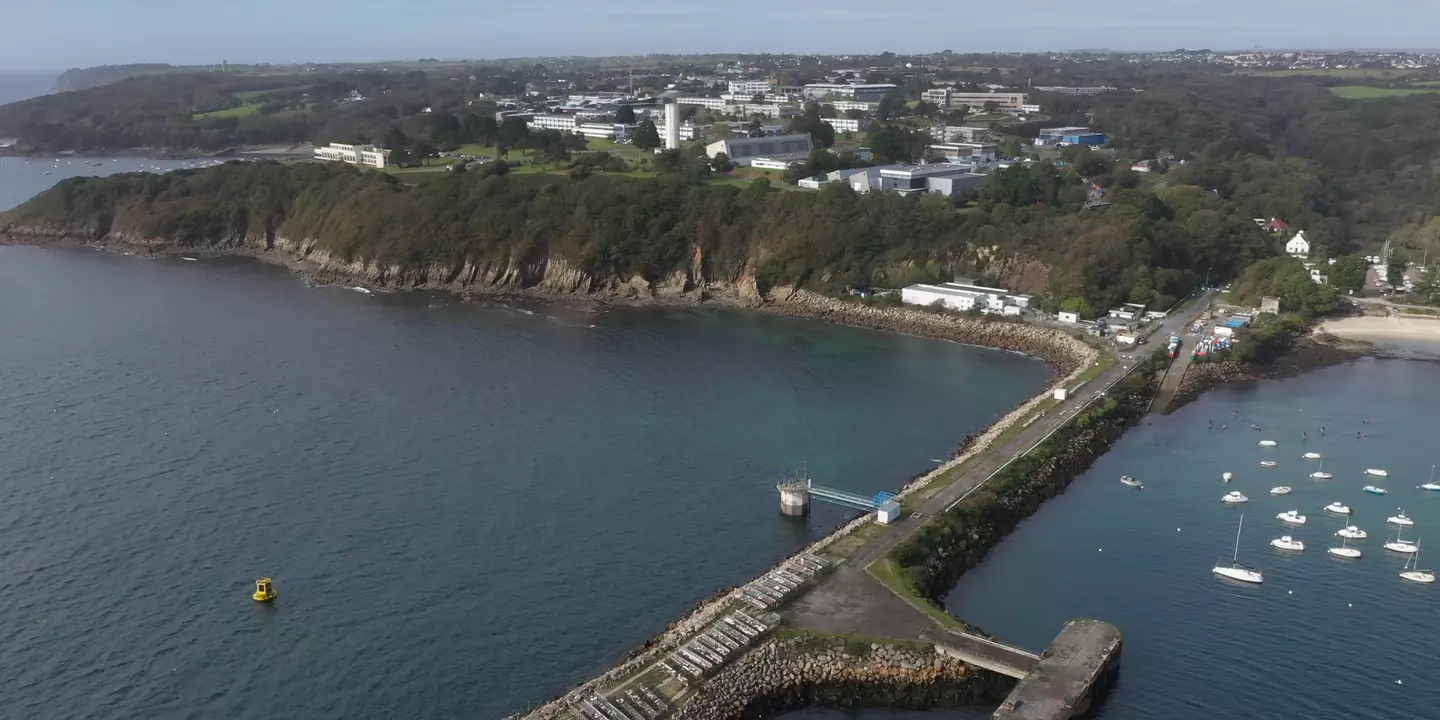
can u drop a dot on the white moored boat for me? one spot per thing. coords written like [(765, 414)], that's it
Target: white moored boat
[(1414, 574), (1376, 473), (1227, 477), (1280, 490), (1321, 474), (1233, 498), (1400, 520), (1285, 542), (1132, 482), (1338, 508), (1431, 485), (1344, 551), (1401, 545), (1350, 532), (1291, 516), (1376, 490), (1267, 463), (1267, 443), (1312, 456), (1236, 571)]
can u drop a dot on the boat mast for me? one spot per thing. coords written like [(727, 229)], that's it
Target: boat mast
[(1235, 558)]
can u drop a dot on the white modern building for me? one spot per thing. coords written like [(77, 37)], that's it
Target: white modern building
[(937, 96), (779, 162), (1004, 101), (1298, 245), (562, 123), (847, 124), (366, 155), (854, 92), (848, 105), (978, 153), (960, 133), (705, 102), (688, 130), (750, 87), (964, 297), (1128, 311), (743, 150)]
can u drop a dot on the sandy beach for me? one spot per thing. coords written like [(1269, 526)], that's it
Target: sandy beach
[(1399, 336)]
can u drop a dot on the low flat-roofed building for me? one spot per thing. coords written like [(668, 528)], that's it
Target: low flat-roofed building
[(962, 297), (741, 150), (977, 153), (1128, 311), (917, 179), (1004, 101), (553, 122), (779, 162), (847, 124), (873, 91), (365, 155)]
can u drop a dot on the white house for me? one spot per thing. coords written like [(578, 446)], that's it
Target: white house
[(1072, 318), (1298, 245)]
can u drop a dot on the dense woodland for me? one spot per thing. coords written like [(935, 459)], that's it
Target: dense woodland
[(1351, 173)]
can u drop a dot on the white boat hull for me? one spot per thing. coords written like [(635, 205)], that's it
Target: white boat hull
[(1376, 490), (1338, 509), (1287, 544), (1234, 499), (1267, 463), (1377, 473), (1291, 518), (1430, 486), (1344, 552), (1267, 443), (1312, 456), (1321, 475), (1418, 577), (1240, 574), (1404, 548), (1401, 521), (1282, 490), (1352, 533)]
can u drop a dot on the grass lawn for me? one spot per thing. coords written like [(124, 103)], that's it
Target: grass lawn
[(240, 111), (883, 571), (489, 152), (1365, 92)]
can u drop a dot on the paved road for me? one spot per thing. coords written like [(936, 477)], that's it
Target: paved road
[(991, 462), (849, 600)]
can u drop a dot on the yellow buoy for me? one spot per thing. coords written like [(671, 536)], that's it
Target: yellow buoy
[(264, 590)]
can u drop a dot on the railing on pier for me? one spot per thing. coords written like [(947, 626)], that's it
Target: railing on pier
[(849, 499)]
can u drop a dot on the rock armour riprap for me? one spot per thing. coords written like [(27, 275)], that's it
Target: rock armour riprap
[(783, 675)]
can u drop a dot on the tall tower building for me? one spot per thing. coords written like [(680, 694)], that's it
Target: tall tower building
[(672, 126)]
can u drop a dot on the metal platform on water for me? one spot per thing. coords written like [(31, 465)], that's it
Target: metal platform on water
[(849, 499)]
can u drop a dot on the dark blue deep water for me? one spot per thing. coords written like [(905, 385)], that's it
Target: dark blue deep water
[(466, 508)]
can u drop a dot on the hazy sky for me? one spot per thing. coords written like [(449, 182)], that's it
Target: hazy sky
[(45, 34)]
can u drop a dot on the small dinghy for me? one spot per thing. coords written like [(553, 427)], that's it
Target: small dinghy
[(1267, 443), (1132, 482), (1227, 477), (1280, 490), (1267, 463)]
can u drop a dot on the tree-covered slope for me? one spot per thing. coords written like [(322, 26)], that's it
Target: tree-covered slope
[(476, 228)]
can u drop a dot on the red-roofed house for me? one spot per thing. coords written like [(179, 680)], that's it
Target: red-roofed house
[(1276, 225)]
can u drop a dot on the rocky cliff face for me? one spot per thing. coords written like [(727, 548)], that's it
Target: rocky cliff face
[(784, 675)]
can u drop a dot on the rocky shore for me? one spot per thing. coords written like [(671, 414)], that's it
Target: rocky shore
[(1306, 354), (788, 674)]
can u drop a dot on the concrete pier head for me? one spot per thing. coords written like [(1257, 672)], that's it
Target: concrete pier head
[(1072, 677), (794, 497)]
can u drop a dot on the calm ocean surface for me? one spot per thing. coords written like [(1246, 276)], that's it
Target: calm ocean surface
[(467, 508)]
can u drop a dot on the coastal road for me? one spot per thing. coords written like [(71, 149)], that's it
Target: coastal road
[(831, 606)]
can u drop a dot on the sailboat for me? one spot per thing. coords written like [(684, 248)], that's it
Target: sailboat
[(1431, 485), (1321, 474), (1344, 551), (1402, 546), (1414, 574), (1400, 519), (1236, 571)]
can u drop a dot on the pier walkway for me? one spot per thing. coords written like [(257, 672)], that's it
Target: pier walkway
[(983, 652)]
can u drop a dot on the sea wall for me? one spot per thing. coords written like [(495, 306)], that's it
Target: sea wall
[(1303, 355), (933, 559), (789, 674)]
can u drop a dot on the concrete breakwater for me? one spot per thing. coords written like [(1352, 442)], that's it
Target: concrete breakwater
[(936, 557), (789, 674), (1304, 355)]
